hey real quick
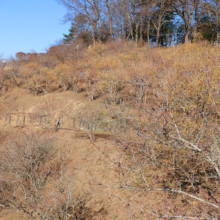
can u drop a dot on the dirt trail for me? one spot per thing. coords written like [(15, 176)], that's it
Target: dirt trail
[(85, 159)]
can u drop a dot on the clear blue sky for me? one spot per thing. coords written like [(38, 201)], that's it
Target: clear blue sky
[(28, 25)]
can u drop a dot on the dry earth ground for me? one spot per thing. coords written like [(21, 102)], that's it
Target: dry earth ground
[(85, 160)]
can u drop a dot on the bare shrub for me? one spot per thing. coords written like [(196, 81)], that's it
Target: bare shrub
[(32, 179), (21, 56), (90, 87), (47, 112), (170, 153)]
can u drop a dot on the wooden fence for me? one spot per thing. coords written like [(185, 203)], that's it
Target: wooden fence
[(90, 125)]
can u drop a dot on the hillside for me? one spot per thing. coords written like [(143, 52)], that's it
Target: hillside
[(82, 156), (115, 131)]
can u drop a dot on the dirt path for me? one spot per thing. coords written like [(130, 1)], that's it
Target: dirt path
[(85, 159)]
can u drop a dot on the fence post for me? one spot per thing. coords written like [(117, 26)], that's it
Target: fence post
[(115, 129), (106, 103), (95, 125), (18, 118), (91, 134), (81, 123), (24, 121), (59, 123), (88, 124), (9, 120), (73, 124)]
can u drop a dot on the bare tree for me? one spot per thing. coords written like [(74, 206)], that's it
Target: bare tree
[(148, 8), (185, 9), (195, 31), (109, 17), (161, 8), (213, 9), (91, 9)]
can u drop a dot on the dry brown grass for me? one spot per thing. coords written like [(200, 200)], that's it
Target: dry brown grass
[(156, 113)]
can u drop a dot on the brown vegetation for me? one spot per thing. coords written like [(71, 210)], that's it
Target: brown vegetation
[(158, 110)]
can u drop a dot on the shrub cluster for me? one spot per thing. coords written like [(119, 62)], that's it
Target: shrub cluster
[(167, 128)]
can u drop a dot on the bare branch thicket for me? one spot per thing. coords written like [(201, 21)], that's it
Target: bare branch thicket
[(90, 87), (169, 151), (46, 113), (3, 86), (33, 179), (90, 9), (212, 8), (111, 87), (74, 81)]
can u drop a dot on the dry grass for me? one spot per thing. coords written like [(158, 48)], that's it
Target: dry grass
[(150, 107)]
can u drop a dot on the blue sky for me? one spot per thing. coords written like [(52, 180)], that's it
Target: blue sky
[(30, 25)]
